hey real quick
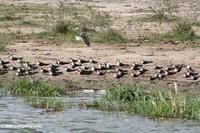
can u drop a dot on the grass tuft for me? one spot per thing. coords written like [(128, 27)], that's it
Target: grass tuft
[(52, 104), (63, 27), (5, 39), (159, 17), (25, 87), (7, 12), (27, 22), (153, 105), (111, 37), (182, 31)]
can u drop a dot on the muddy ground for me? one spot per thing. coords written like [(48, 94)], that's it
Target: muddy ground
[(160, 53)]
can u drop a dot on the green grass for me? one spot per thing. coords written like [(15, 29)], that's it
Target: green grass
[(158, 18), (45, 103), (182, 31), (2, 90), (197, 23), (5, 39), (95, 37), (55, 37), (60, 34), (159, 104), (27, 22), (98, 23), (111, 37), (173, 37), (25, 87), (7, 12)]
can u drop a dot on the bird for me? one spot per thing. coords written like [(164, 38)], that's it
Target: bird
[(108, 65), (39, 63), (169, 72), (160, 76), (42, 70), (155, 66), (82, 61), (99, 73), (52, 73), (178, 68), (83, 37), (92, 61), (11, 57), (93, 68), (192, 77), (81, 71), (190, 73), (146, 62), (101, 66), (72, 60), (20, 70), (135, 66), (169, 67), (59, 62), (120, 64), (11, 67), (142, 70), (134, 74), (73, 64), (52, 69), (3, 62), (18, 73), (118, 74), (69, 69), (153, 77), (2, 66)]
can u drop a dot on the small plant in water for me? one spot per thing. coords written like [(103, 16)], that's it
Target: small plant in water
[(49, 104)]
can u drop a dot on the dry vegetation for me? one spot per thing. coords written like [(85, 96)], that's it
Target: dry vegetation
[(63, 21)]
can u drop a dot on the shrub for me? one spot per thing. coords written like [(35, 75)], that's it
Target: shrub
[(63, 27), (7, 12), (183, 28)]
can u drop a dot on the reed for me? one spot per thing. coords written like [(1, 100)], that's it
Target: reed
[(49, 104), (159, 104)]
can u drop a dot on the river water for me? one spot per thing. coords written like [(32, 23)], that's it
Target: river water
[(18, 117)]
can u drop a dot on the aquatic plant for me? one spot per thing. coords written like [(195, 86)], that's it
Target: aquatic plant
[(24, 87), (49, 104), (158, 104)]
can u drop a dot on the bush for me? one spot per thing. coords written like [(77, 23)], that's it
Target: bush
[(183, 28), (63, 27), (7, 12)]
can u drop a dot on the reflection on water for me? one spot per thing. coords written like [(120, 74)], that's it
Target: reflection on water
[(13, 111)]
